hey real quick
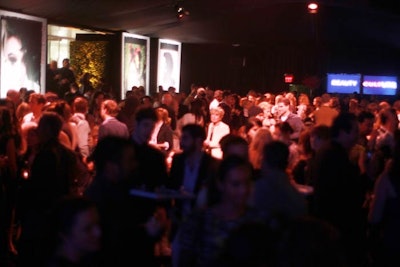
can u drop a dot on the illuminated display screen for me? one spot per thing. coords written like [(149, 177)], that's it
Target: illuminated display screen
[(343, 83), (379, 85)]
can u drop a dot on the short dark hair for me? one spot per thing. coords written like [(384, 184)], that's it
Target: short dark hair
[(365, 115), (232, 139), (195, 131), (145, 113), (276, 155), (109, 149), (284, 127), (343, 122)]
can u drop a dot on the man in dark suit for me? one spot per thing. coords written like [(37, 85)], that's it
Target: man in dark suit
[(193, 169), (111, 125), (65, 76), (152, 168)]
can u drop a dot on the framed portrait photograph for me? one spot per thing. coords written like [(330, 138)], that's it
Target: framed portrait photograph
[(23, 52), (135, 62), (169, 64)]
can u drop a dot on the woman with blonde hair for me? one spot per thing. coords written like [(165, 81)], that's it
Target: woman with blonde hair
[(215, 131)]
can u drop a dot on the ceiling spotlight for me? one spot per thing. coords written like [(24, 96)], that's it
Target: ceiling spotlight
[(181, 11), (312, 8)]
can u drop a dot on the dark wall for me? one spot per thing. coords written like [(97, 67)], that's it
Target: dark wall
[(262, 68), (241, 69)]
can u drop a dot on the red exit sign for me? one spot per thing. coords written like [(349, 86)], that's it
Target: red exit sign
[(288, 78)]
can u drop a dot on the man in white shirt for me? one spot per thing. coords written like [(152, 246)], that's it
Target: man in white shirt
[(80, 108)]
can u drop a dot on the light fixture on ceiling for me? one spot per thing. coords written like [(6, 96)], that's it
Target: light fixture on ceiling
[(181, 12), (312, 8)]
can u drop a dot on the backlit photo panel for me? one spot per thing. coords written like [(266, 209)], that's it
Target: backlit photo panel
[(23, 55), (169, 64), (135, 62)]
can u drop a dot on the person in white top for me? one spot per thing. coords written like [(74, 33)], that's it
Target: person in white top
[(80, 107), (216, 130)]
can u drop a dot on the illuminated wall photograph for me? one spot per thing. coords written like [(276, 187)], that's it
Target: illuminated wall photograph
[(135, 62), (23, 52), (169, 64)]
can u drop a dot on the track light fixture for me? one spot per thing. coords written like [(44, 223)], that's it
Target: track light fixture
[(181, 12)]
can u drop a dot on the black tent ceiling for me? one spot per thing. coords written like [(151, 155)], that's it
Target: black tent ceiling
[(245, 22)]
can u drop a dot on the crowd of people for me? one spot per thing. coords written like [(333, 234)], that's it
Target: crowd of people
[(263, 179)]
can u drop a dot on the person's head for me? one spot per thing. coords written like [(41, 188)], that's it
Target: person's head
[(146, 101), (73, 88), (262, 137), (275, 156), (366, 122), (110, 108), (80, 105), (344, 129), (319, 136), (283, 106), (304, 143), (61, 107), (167, 98), (97, 99), (49, 127), (163, 115), (22, 110), (51, 97), (145, 119), (201, 93), (388, 118), (317, 102), (218, 95), (36, 102), (232, 144), (303, 99), (65, 63), (75, 227), (192, 138), (325, 99), (114, 158), (282, 131), (252, 125), (53, 65), (235, 176), (14, 96), (197, 107), (216, 114)]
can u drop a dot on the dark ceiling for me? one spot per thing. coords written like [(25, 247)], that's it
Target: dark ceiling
[(245, 22)]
